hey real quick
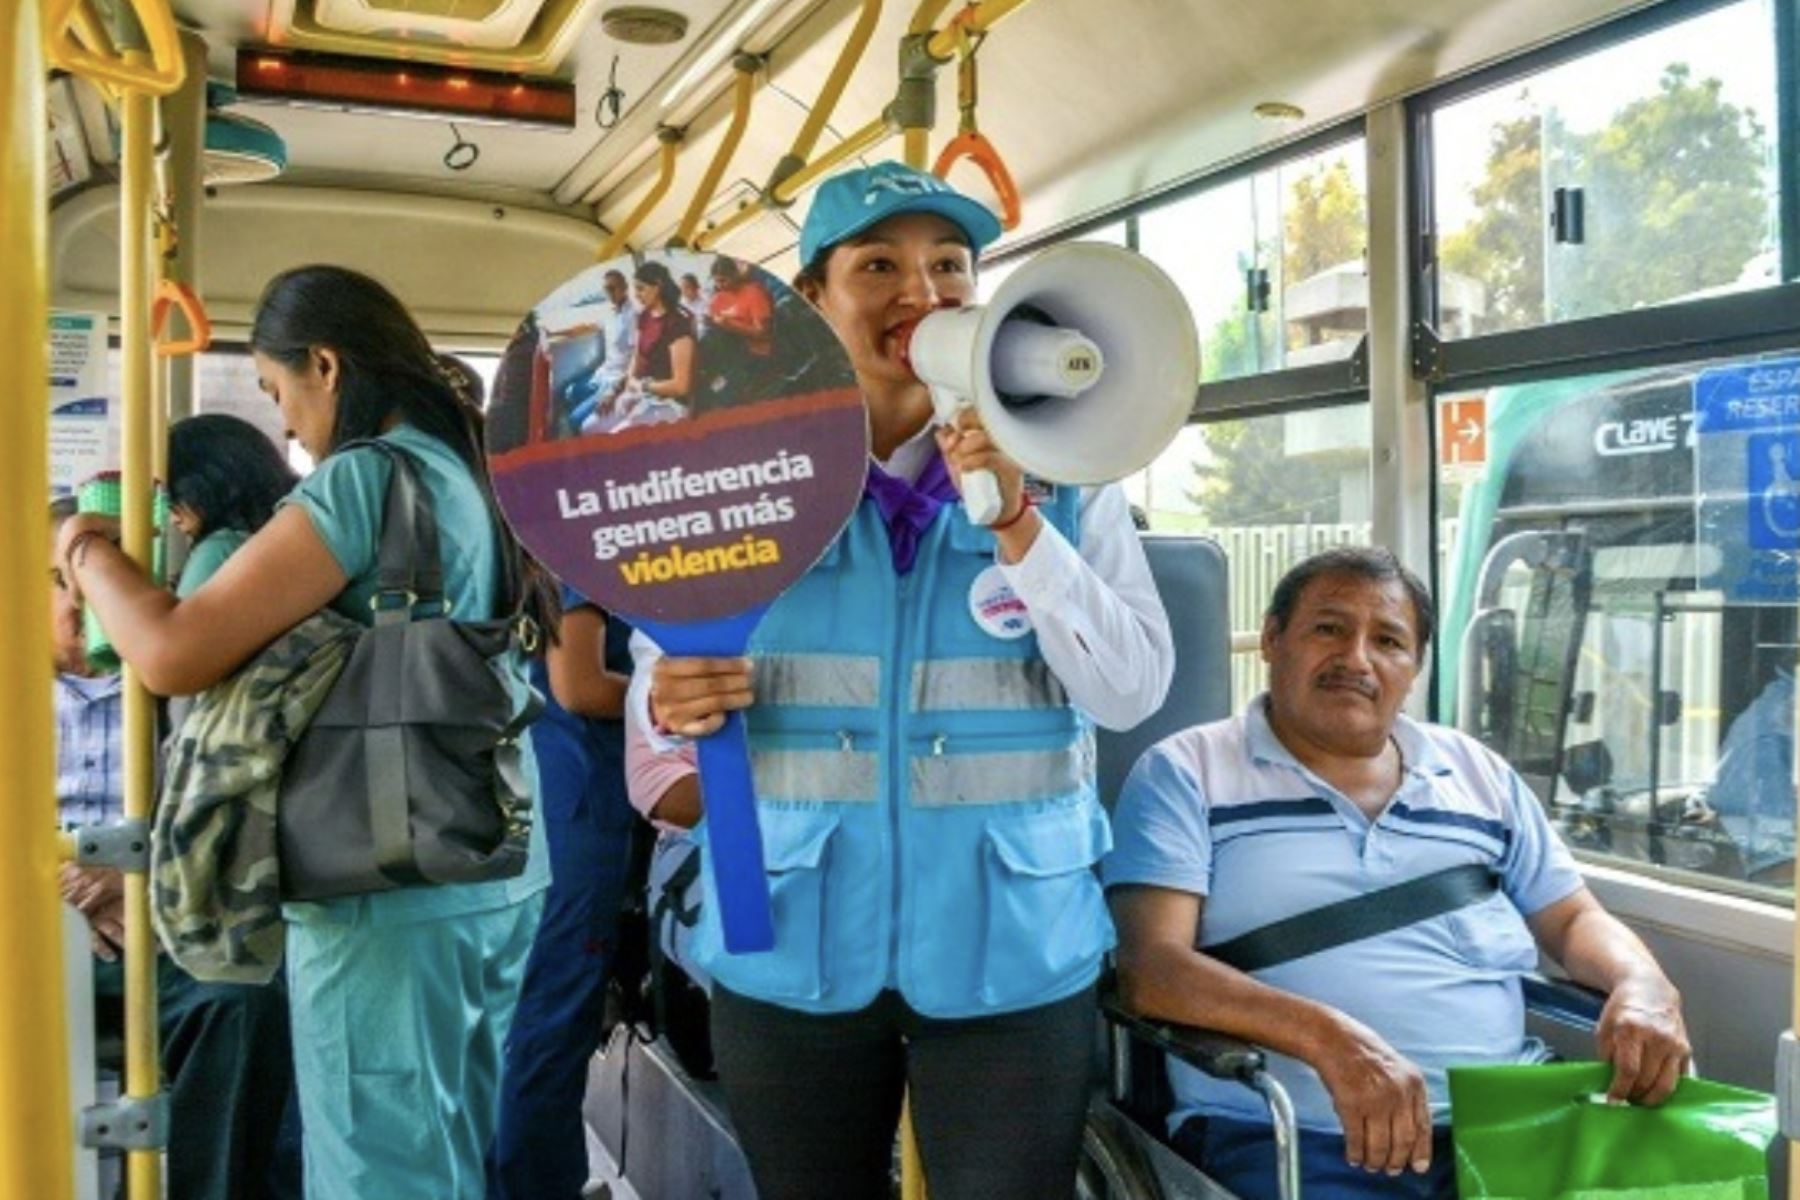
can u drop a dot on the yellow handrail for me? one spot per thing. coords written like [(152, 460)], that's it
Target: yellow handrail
[(671, 146), (142, 1073), (793, 180), (976, 20), (157, 74), (36, 1126), (90, 31), (746, 67), (860, 142), (820, 114), (926, 15)]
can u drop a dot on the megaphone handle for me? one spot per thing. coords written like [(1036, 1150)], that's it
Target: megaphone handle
[(981, 497)]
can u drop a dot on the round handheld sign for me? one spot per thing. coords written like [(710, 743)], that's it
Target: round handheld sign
[(680, 438)]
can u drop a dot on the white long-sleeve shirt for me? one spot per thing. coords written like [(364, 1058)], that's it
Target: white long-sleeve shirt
[(1099, 622)]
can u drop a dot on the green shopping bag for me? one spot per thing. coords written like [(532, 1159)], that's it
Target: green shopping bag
[(1546, 1132)]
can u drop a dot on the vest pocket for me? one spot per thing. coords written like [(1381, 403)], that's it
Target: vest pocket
[(797, 847), (1046, 917)]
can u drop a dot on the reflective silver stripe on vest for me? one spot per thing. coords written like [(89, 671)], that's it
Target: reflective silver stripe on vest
[(818, 680), (827, 776), (1012, 777), (1009, 684)]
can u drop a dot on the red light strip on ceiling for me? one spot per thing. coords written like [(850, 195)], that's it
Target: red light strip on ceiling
[(403, 89)]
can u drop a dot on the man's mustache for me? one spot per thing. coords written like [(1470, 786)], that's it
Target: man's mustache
[(1347, 679)]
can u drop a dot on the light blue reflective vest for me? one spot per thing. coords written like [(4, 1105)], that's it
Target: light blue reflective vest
[(925, 791)]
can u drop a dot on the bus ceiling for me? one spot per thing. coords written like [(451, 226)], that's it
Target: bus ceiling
[(1076, 143)]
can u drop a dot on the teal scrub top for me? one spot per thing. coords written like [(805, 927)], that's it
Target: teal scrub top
[(206, 557), (344, 498)]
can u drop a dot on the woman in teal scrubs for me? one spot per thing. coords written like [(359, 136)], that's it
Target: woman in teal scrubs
[(400, 1000)]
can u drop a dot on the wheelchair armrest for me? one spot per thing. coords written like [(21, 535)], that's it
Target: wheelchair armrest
[(1217, 1054), (1563, 1001)]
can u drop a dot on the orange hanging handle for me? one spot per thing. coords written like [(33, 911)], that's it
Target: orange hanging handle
[(170, 294), (969, 142), (161, 75), (975, 147)]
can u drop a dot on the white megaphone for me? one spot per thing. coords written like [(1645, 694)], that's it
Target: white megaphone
[(1082, 368)]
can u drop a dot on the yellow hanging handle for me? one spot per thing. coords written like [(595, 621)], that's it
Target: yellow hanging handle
[(159, 76), (969, 142), (172, 295)]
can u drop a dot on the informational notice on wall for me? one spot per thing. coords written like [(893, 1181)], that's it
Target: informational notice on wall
[(84, 417), (1747, 481)]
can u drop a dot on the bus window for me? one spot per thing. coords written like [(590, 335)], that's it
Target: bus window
[(1272, 263), (1598, 635), (1271, 490), (992, 275), (1615, 147)]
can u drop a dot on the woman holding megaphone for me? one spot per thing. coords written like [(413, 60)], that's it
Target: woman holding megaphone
[(919, 707)]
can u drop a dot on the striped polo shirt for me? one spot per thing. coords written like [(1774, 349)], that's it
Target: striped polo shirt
[(1226, 812)]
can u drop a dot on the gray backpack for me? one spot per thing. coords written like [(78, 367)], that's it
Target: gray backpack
[(410, 773)]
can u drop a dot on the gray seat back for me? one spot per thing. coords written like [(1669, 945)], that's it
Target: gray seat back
[(1190, 575)]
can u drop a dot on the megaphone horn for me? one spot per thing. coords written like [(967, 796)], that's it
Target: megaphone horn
[(1082, 368)]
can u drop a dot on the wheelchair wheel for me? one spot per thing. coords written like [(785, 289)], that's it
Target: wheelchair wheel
[(1112, 1167)]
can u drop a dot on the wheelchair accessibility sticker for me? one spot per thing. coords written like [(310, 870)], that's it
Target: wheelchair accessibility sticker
[(1747, 481)]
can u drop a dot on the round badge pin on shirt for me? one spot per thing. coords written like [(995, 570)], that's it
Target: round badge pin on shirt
[(996, 607)]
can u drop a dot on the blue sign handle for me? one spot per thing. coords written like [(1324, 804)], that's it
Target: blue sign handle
[(733, 837), (734, 840)]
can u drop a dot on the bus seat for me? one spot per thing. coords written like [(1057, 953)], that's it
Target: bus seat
[(1191, 577)]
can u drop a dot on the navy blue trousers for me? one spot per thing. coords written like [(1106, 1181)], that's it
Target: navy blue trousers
[(228, 1067), (540, 1151), (1240, 1157)]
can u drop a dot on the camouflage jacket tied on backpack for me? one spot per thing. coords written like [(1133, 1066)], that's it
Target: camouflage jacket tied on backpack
[(215, 872)]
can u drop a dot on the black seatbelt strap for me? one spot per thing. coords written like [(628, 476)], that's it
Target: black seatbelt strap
[(1357, 918)]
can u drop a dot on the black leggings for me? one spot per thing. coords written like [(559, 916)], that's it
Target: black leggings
[(998, 1102)]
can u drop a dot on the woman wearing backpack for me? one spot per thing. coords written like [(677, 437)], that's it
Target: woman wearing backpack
[(400, 999), (924, 773)]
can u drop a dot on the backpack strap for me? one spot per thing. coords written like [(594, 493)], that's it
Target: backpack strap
[(409, 559), (410, 572), (669, 906), (1356, 919)]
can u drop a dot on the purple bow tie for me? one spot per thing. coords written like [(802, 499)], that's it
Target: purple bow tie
[(907, 509)]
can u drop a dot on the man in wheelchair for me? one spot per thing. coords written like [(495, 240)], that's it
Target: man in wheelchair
[(1360, 893)]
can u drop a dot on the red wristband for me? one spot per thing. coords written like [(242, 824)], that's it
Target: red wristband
[(1025, 506)]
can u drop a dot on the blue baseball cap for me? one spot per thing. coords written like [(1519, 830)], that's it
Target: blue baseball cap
[(849, 203)]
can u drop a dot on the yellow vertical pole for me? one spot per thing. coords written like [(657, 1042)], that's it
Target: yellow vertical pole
[(142, 1077), (36, 1118), (918, 149), (912, 1168), (185, 115)]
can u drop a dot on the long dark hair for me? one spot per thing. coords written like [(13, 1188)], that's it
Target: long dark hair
[(227, 472), (658, 277), (387, 368)]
